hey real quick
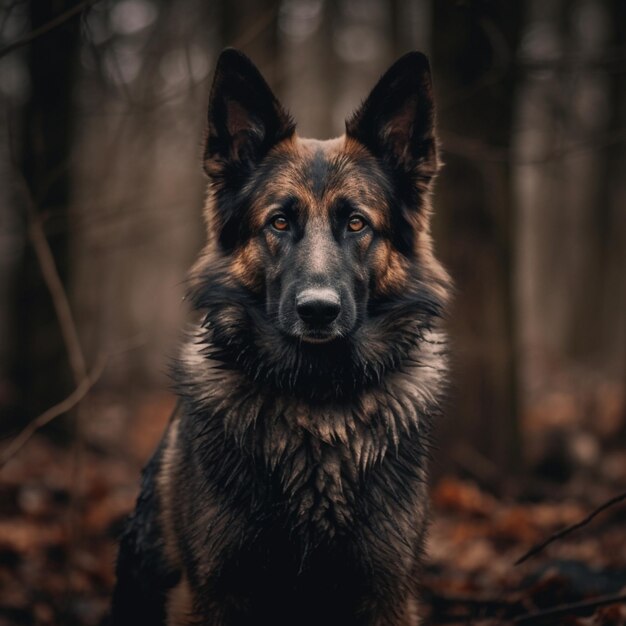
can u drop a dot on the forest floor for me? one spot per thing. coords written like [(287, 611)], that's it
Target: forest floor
[(61, 511)]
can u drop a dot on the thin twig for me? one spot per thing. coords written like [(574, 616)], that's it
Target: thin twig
[(569, 609), (51, 277), (52, 280), (570, 529), (53, 412), (47, 27), (441, 599), (76, 357)]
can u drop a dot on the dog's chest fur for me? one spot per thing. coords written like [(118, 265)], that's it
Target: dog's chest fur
[(321, 465)]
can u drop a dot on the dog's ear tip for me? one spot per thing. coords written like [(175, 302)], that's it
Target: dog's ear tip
[(231, 51), (414, 57), (232, 58), (413, 62)]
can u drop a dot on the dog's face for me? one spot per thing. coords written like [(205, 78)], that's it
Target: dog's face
[(314, 242), (317, 230), (318, 237)]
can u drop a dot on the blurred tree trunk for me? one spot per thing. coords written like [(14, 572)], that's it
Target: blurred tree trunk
[(571, 194), (616, 285), (410, 22), (138, 185), (615, 180), (474, 46), (11, 244), (593, 324), (596, 196), (311, 70), (40, 360)]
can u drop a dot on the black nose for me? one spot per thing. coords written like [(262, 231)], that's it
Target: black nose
[(318, 307)]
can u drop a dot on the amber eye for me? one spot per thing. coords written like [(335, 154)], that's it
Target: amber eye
[(280, 223), (356, 223)]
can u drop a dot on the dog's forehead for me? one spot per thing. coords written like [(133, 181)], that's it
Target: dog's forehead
[(324, 166), (320, 173)]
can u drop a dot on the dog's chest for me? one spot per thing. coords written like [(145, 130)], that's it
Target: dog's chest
[(319, 458), (322, 464), (320, 484)]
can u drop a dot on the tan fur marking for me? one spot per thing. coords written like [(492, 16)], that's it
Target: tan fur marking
[(391, 269), (293, 181), (166, 488), (411, 615), (246, 266), (179, 601), (179, 607), (433, 270)]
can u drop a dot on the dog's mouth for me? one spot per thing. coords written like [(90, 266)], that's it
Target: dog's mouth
[(314, 335), (318, 336)]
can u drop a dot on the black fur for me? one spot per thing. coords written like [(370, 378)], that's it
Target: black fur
[(143, 574), (291, 487)]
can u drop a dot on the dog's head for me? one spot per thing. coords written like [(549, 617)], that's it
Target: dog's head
[(319, 238)]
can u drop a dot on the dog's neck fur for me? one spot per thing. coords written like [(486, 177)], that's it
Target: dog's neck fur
[(313, 445)]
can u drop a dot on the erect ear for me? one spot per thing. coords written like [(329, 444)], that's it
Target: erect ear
[(245, 118), (397, 120)]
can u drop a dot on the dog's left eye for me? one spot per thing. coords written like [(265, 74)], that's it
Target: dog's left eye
[(280, 222), (356, 223)]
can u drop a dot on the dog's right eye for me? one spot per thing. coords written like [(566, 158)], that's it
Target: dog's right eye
[(280, 223)]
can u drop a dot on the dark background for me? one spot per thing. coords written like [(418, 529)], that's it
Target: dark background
[(101, 188)]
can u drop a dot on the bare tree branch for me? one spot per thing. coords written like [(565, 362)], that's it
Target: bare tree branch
[(569, 609), (84, 381), (570, 529), (55, 286), (46, 28), (53, 412)]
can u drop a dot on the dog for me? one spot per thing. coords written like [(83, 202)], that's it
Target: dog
[(290, 487)]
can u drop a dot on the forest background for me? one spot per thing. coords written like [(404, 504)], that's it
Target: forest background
[(103, 107)]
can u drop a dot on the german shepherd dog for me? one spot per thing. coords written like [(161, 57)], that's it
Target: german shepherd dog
[(290, 486)]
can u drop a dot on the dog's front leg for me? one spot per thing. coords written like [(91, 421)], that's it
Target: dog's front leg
[(144, 575)]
